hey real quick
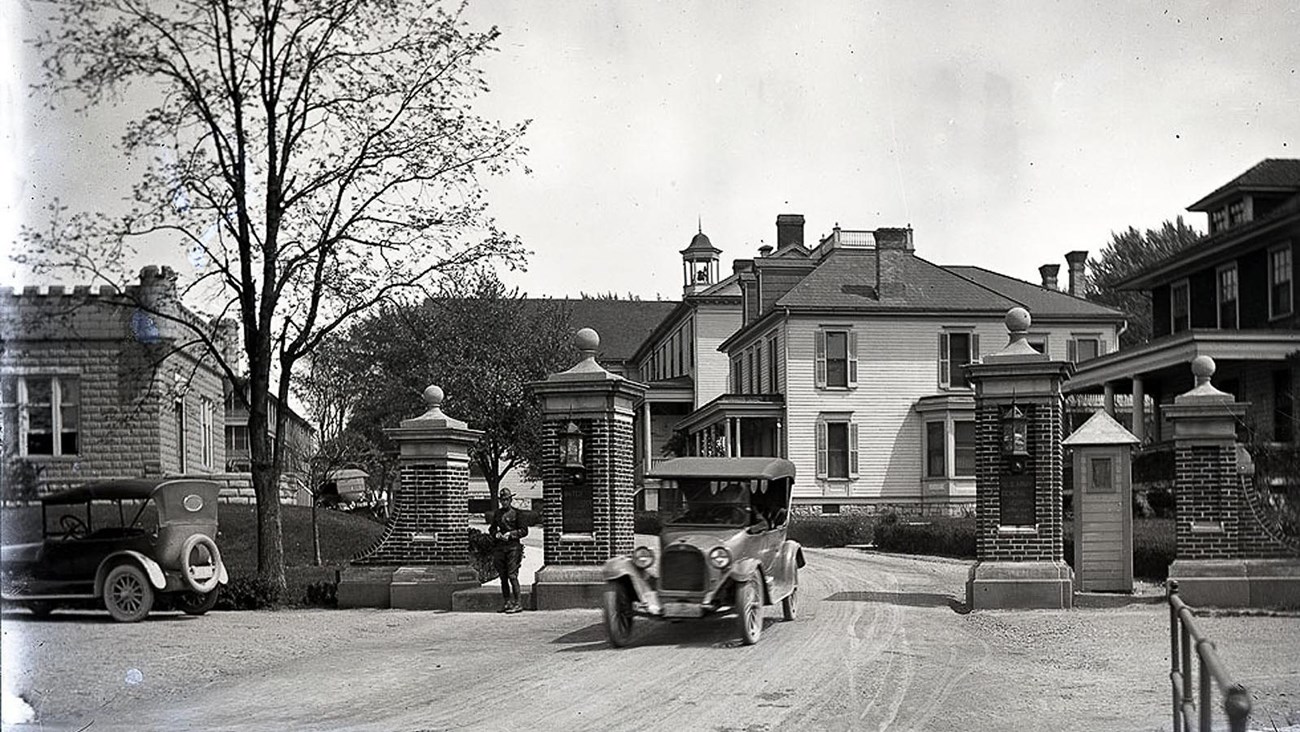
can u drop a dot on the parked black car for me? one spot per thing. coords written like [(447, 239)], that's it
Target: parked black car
[(166, 553)]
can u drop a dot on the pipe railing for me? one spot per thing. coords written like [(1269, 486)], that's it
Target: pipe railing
[(1183, 636)]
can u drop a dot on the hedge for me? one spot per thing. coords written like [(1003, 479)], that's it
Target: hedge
[(831, 531)]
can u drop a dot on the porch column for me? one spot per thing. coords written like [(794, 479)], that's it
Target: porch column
[(1139, 429), (736, 431), (1108, 398), (727, 432), (647, 449), (1157, 418), (779, 447)]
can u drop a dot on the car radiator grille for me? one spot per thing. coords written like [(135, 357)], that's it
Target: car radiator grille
[(683, 569)]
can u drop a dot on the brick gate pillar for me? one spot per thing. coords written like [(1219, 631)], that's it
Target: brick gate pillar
[(1020, 543), (423, 556), (587, 481), (1221, 557)]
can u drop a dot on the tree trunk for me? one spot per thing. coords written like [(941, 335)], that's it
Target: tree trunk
[(266, 486), (315, 533)]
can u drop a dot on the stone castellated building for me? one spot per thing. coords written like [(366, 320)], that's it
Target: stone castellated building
[(102, 383)]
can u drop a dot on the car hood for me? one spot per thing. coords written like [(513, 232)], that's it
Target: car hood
[(17, 553), (701, 537)]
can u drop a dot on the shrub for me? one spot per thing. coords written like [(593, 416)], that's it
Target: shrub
[(831, 531), (480, 555), (247, 593), (945, 537), (323, 593), (647, 522)]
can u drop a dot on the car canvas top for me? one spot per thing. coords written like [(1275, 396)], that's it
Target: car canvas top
[(124, 489), (724, 468)]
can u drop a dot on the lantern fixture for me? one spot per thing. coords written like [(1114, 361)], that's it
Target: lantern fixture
[(1015, 433), (571, 450)]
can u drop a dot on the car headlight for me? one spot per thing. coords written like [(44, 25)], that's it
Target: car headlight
[(643, 557), (720, 557)]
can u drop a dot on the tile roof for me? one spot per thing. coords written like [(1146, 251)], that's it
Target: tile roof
[(622, 324), (846, 279), (1039, 301), (1273, 173)]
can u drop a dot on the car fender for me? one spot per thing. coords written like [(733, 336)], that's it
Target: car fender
[(150, 567), (786, 569), (750, 569), (619, 567)]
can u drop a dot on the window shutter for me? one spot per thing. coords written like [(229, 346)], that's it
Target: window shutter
[(821, 449), (853, 450), (820, 355), (974, 347), (1072, 350), (1101, 347), (853, 358), (943, 359)]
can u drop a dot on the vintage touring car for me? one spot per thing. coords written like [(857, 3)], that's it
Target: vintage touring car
[(157, 548), (722, 548)]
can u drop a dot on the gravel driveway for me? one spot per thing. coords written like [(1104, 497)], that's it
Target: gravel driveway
[(882, 642)]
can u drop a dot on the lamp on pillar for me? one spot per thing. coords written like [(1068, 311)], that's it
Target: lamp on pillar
[(571, 452), (1015, 437)]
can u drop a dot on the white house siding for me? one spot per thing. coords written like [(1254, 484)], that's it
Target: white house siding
[(897, 365), (713, 325)]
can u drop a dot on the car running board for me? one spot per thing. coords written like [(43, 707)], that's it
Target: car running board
[(25, 598)]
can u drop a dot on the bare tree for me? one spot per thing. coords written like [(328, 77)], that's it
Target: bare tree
[(318, 157)]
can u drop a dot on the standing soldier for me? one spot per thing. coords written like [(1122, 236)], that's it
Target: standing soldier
[(507, 528)]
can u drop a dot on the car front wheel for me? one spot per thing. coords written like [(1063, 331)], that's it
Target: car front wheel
[(750, 606), (618, 614), (194, 603), (127, 594)]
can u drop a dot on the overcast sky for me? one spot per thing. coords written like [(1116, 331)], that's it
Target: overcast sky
[(1005, 134)]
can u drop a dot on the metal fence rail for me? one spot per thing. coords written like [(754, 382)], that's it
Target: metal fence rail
[(1183, 633)]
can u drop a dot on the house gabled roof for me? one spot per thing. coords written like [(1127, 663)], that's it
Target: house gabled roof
[(1039, 301), (846, 280), (623, 325), (1271, 175)]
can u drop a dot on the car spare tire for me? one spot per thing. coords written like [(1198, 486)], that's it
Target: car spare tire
[(199, 576)]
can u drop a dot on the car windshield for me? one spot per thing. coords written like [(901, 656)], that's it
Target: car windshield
[(702, 501)]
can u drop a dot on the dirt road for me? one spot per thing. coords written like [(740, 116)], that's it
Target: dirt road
[(881, 643)]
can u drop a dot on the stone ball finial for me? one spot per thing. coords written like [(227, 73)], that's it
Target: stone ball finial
[(1203, 368), (1017, 320), (433, 396), (586, 339)]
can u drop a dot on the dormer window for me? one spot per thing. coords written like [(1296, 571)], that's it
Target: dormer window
[(1218, 220), (1237, 212)]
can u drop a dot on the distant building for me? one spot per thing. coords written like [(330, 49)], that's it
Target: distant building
[(847, 358), (1231, 296)]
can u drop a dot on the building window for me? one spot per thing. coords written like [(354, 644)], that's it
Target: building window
[(963, 448), (1101, 476), (207, 410), (837, 449), (752, 372), (1038, 342), (178, 410), (936, 450), (735, 375), (1237, 212), (956, 349), (1218, 220), (837, 358), (690, 344), (44, 412), (1227, 296), (773, 375), (1279, 278), (237, 438), (1082, 348), (1179, 307)]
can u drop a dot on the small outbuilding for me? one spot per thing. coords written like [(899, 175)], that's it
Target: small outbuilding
[(1103, 505)]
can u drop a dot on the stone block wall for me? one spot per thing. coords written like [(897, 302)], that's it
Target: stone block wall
[(430, 523), (1047, 541)]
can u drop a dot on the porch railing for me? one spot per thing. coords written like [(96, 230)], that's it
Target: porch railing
[(1183, 635)]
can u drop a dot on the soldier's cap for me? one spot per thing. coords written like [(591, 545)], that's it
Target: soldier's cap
[(504, 493)]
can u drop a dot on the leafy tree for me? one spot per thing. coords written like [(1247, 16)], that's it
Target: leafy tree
[(319, 157), (1128, 252), (482, 344)]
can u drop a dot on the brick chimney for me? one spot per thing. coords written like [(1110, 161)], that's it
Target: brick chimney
[(1078, 278), (893, 247), (1049, 272), (789, 230)]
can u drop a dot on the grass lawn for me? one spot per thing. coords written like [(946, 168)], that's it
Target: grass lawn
[(342, 537)]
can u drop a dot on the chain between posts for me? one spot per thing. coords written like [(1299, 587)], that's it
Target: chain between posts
[(1183, 634)]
